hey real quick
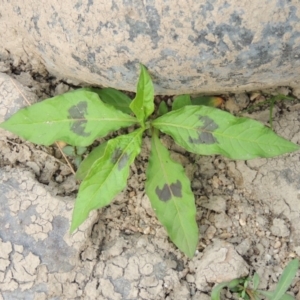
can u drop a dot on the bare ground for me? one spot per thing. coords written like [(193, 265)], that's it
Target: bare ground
[(248, 215)]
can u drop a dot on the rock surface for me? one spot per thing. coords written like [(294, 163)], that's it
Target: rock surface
[(189, 47)]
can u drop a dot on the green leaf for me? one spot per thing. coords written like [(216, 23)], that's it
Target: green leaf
[(234, 282), (207, 130), (87, 163), (77, 160), (163, 108), (207, 101), (107, 176), (286, 279), (80, 150), (69, 150), (216, 291), (267, 294), (184, 100), (255, 281), (77, 118), (181, 101), (115, 98), (168, 189), (143, 103), (287, 297)]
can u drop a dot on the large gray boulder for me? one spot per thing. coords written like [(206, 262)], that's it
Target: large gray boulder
[(188, 46)]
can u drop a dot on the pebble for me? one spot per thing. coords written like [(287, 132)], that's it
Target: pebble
[(215, 203), (222, 221), (190, 278), (279, 228), (242, 222), (210, 232), (277, 244)]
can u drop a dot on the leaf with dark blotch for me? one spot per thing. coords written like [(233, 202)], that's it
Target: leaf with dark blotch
[(143, 103), (77, 113), (87, 163), (107, 176), (111, 96), (207, 130), (169, 191), (119, 157), (77, 118)]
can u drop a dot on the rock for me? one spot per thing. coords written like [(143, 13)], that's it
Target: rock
[(222, 220), (279, 228), (210, 232), (215, 203), (36, 228), (219, 263), (13, 96), (206, 46), (243, 247), (242, 100)]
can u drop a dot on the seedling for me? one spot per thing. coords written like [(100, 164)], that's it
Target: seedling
[(247, 287), (79, 117), (75, 152), (271, 102)]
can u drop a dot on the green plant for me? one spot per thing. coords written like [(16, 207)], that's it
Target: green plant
[(81, 116), (75, 152), (271, 101), (247, 287)]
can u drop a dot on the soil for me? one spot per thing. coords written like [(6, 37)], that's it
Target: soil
[(248, 213)]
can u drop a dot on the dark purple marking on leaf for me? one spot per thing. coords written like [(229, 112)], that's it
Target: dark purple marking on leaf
[(123, 161), (205, 135), (120, 157), (77, 113), (166, 193)]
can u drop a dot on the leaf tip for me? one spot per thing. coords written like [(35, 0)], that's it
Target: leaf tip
[(72, 228)]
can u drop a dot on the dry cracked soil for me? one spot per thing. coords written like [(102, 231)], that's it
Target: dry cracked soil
[(248, 213)]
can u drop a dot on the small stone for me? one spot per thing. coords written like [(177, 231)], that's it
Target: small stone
[(210, 232), (216, 182), (190, 278), (259, 248), (242, 222), (243, 247), (225, 235), (61, 88), (277, 244), (279, 228), (147, 230), (231, 105), (254, 96), (242, 100), (220, 262), (215, 203), (222, 221)]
